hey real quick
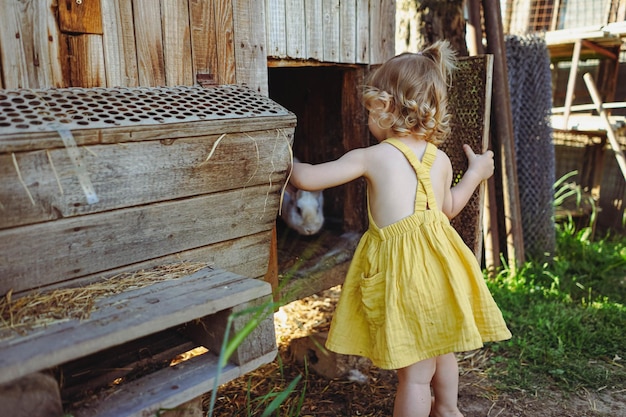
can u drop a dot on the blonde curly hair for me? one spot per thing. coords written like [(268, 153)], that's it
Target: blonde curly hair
[(412, 88)]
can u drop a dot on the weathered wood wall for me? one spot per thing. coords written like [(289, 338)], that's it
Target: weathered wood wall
[(127, 43), (156, 196), (337, 31), (61, 43)]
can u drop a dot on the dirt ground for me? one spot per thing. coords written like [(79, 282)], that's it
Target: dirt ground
[(367, 391)]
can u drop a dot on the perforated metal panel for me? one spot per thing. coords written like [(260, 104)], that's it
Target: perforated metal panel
[(80, 108), (467, 102)]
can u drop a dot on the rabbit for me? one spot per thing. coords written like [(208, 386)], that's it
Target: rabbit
[(303, 210)]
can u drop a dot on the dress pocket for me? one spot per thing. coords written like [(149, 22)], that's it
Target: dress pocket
[(373, 298)]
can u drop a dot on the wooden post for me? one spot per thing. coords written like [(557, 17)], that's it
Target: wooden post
[(571, 82), (503, 132), (595, 96), (490, 217)]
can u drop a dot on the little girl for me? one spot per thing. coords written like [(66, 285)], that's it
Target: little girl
[(414, 293)]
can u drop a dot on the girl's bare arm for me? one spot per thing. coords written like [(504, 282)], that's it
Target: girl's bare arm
[(329, 174), (480, 168)]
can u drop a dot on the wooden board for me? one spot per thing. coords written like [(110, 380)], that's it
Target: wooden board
[(313, 27), (29, 31), (131, 174), (246, 255), (295, 28), (250, 41), (348, 31), (148, 34), (382, 31), (168, 388), (203, 37), (276, 28), (80, 17), (127, 316), (176, 42), (362, 32), (70, 248), (330, 30), (224, 28), (86, 66), (120, 53)]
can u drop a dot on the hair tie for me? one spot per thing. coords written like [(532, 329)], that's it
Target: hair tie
[(420, 53)]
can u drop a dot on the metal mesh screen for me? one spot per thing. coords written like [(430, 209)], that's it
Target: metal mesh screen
[(471, 87), (528, 64), (90, 108)]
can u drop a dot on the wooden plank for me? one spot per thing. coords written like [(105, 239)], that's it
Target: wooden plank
[(330, 30), (314, 18), (209, 331), (169, 387), (29, 45), (93, 372), (504, 147), (276, 28), (362, 32), (382, 31), (246, 255), (120, 53), (135, 174), (86, 61), (169, 132), (80, 17), (595, 96), (74, 247), (203, 37), (571, 82), (347, 31), (12, 53), (149, 38), (224, 28), (128, 316), (250, 51), (295, 29), (355, 135), (176, 42)]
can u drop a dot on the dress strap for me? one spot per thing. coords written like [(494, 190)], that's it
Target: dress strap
[(424, 197)]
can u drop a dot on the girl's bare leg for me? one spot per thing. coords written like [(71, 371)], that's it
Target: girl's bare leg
[(445, 385), (413, 396)]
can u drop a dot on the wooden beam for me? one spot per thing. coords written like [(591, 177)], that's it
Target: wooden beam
[(571, 81), (120, 51), (149, 38), (80, 17), (505, 146), (595, 96), (250, 44)]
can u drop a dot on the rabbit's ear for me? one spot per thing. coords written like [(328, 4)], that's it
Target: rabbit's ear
[(291, 189), (288, 197)]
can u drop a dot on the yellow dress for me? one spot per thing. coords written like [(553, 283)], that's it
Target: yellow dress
[(414, 290)]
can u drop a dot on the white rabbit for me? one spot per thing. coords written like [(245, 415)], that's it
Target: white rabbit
[(303, 210)]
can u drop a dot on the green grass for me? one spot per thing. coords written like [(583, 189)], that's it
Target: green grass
[(568, 316)]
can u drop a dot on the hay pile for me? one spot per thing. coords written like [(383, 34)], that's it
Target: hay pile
[(20, 315)]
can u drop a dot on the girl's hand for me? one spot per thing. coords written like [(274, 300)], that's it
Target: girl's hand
[(481, 165)]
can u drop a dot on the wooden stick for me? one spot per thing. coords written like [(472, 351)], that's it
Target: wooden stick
[(595, 96), (503, 131), (571, 82)]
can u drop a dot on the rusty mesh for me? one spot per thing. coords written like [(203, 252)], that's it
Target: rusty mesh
[(90, 108), (467, 100), (530, 86)]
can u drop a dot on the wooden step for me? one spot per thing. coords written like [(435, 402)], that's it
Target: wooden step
[(128, 316), (167, 388)]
